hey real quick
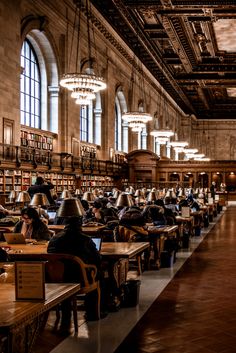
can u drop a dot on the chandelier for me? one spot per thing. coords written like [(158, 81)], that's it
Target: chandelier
[(190, 151), (162, 136), (179, 144), (83, 85), (136, 120)]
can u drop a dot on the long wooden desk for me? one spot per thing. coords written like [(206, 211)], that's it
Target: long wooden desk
[(115, 257), (157, 237), (109, 250), (20, 321), (89, 230), (187, 222), (123, 250)]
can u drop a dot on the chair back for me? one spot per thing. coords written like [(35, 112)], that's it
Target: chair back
[(62, 268)]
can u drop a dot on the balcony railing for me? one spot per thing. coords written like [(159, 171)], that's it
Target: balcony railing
[(30, 157)]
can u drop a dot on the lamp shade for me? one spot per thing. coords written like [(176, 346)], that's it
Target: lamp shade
[(39, 199), (124, 200), (71, 208), (65, 195), (78, 192), (23, 197), (151, 196), (139, 200), (88, 196), (116, 194), (138, 193), (12, 195)]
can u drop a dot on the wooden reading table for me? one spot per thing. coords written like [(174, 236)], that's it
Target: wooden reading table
[(109, 250), (89, 230), (20, 321), (111, 253)]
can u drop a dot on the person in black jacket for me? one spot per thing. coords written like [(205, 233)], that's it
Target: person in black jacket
[(41, 187), (72, 241)]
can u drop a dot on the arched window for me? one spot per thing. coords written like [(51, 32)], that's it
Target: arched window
[(144, 138), (30, 87), (85, 122), (90, 121), (39, 85), (121, 128)]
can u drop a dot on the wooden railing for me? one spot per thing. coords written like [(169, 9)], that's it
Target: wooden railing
[(24, 157)]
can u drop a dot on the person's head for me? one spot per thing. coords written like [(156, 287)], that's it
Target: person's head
[(159, 202), (132, 218), (74, 221), (190, 198), (29, 215), (39, 180), (85, 205), (97, 205)]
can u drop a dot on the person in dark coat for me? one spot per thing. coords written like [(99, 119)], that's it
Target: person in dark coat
[(72, 241), (31, 226), (41, 187)]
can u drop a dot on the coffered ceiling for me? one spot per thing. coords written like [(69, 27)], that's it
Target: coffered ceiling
[(188, 45)]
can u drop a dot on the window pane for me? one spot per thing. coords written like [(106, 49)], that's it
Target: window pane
[(30, 87), (27, 85)]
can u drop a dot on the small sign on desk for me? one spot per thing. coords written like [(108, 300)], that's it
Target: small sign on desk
[(210, 201), (30, 280), (185, 212)]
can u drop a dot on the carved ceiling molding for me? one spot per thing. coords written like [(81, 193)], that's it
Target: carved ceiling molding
[(178, 43)]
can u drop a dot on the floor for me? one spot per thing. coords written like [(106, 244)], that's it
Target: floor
[(192, 312)]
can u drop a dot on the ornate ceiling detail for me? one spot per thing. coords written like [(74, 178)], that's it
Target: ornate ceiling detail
[(185, 45)]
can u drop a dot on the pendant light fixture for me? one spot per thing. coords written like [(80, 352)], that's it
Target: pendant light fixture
[(83, 85), (136, 119)]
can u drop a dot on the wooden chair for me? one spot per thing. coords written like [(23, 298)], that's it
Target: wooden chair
[(59, 268)]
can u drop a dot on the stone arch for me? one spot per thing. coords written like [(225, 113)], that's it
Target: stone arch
[(35, 30)]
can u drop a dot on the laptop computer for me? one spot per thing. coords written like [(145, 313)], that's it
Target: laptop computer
[(14, 238), (97, 242), (51, 214)]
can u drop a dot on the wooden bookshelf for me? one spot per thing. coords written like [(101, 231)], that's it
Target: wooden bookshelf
[(36, 140)]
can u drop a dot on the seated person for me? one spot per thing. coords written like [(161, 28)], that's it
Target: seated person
[(31, 226), (72, 241), (134, 220), (192, 203), (42, 214), (170, 202), (98, 215), (88, 212), (154, 214), (3, 212)]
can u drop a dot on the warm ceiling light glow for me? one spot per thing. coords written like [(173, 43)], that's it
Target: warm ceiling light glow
[(162, 133), (178, 143), (199, 155), (204, 159), (190, 150)]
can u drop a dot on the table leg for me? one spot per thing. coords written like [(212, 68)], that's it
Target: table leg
[(22, 338)]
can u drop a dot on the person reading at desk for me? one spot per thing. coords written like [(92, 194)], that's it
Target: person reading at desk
[(31, 226), (72, 241)]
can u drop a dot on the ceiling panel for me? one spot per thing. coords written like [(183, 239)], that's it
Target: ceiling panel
[(189, 46)]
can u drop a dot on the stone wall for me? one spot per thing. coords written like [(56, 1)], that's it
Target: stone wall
[(49, 19)]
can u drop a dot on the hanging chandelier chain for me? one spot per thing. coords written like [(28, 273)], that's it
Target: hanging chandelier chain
[(72, 40), (88, 34), (84, 85)]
